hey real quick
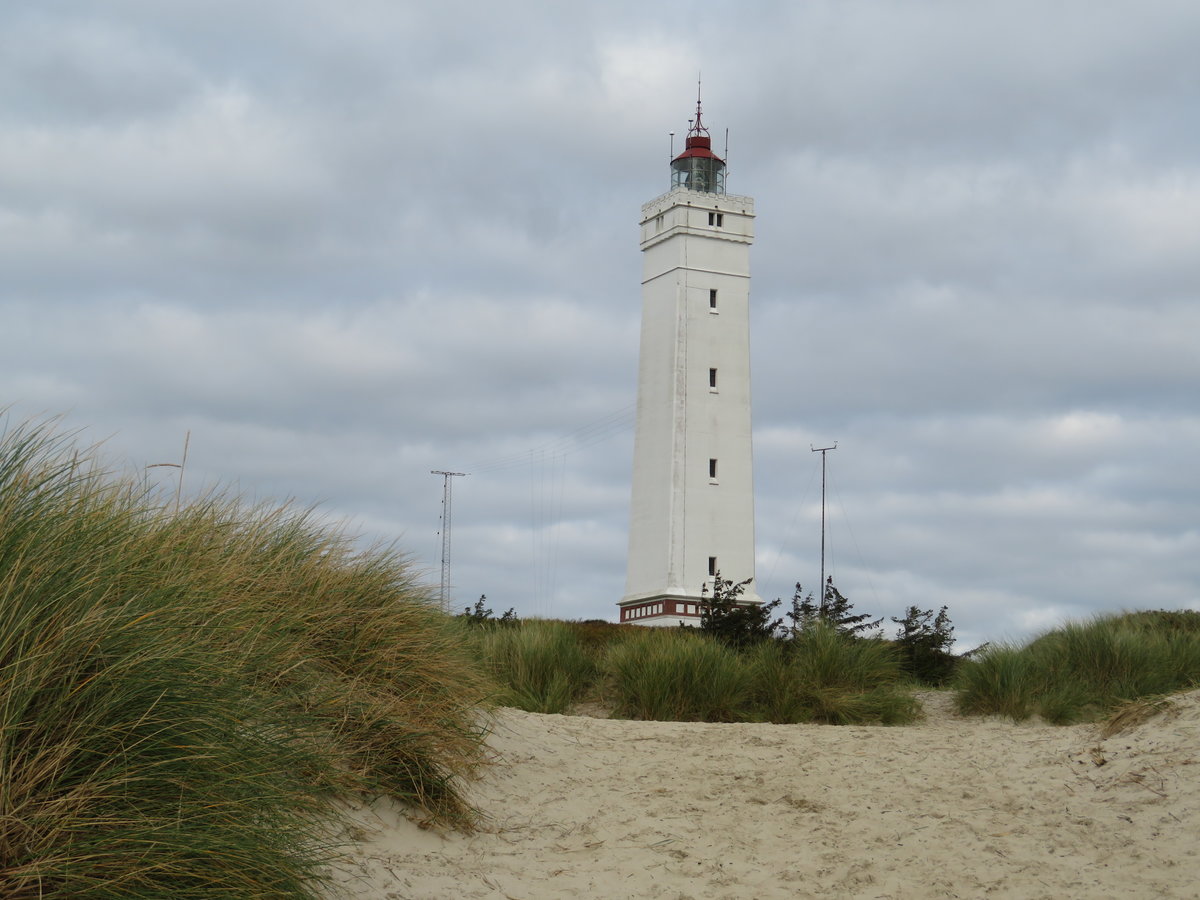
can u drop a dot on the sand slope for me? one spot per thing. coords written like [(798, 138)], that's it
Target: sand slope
[(951, 807)]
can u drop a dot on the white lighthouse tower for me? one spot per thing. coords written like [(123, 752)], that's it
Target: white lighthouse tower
[(692, 507)]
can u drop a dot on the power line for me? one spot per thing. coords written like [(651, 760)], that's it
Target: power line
[(547, 473), (862, 562), (785, 541), (582, 437)]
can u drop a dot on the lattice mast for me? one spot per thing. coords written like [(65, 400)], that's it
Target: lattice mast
[(444, 591)]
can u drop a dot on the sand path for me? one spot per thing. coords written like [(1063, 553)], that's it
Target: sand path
[(951, 807)]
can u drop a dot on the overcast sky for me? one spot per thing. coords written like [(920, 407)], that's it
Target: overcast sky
[(345, 244)]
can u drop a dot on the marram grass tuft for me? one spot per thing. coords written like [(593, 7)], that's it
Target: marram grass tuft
[(185, 693), (1085, 670)]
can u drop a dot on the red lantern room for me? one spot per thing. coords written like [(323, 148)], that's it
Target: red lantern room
[(697, 168)]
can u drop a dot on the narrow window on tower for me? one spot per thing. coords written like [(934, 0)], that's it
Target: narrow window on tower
[(712, 565), (712, 300), (716, 219), (712, 379), (712, 470)]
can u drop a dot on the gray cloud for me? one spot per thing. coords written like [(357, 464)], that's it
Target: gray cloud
[(343, 247)]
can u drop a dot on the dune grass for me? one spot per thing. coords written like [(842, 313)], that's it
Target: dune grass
[(1082, 671), (541, 665), (674, 675), (827, 677), (184, 694)]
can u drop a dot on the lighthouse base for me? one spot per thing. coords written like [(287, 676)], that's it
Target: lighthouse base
[(668, 610)]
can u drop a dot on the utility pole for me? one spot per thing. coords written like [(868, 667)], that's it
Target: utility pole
[(444, 594), (823, 451)]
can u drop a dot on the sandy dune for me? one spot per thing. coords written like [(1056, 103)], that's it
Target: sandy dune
[(952, 807)]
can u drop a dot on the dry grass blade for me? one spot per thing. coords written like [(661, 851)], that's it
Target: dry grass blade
[(1133, 714)]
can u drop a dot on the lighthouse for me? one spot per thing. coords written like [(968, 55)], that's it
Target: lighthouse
[(692, 502)]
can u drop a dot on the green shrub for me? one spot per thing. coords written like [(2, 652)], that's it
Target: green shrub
[(480, 615), (673, 675), (834, 609), (727, 618), (924, 642)]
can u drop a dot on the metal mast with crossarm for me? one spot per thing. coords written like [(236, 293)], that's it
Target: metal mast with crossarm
[(823, 451)]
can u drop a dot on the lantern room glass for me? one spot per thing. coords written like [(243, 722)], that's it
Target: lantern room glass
[(705, 174)]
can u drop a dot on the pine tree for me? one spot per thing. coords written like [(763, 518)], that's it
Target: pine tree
[(805, 613), (732, 621), (482, 616), (925, 645), (835, 610)]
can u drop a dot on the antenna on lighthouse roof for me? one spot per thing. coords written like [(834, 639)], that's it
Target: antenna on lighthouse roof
[(697, 128), (727, 157)]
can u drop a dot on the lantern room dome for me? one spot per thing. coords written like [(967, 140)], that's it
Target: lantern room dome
[(697, 168)]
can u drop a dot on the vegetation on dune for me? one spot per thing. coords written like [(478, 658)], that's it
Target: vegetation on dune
[(676, 675), (739, 665), (348, 638), (541, 665), (187, 690), (1082, 671), (482, 616), (184, 693), (595, 635), (924, 641), (735, 623), (824, 675), (835, 610), (832, 665), (671, 674)]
